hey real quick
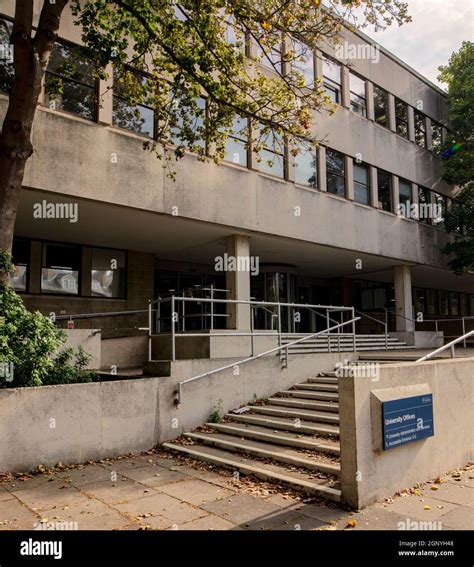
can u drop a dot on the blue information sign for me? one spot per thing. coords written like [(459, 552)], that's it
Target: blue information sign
[(406, 420)]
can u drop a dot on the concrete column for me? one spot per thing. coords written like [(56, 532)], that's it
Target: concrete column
[(395, 194), (322, 186), (369, 95), (349, 175), (411, 124), (106, 99), (403, 298), (392, 122), (318, 64), (345, 88), (374, 193), (238, 282)]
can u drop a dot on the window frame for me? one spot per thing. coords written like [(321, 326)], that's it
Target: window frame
[(271, 150), (242, 140), (44, 244), (417, 129), (335, 173), (27, 241), (385, 94), (368, 185), (330, 84), (401, 120), (390, 189), (314, 152), (125, 273), (353, 94)]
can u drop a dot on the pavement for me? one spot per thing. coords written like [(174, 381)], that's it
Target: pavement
[(155, 491)]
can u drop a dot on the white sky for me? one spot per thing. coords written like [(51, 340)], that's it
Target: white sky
[(438, 28)]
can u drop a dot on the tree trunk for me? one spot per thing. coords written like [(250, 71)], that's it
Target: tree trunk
[(30, 59)]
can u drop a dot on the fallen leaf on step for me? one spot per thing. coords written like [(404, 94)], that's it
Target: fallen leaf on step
[(434, 487), (427, 507), (352, 523)]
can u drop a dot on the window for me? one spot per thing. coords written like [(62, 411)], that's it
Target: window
[(270, 57), (361, 184), (195, 122), (431, 302), (302, 61), (236, 144), (381, 106), (424, 205), (306, 166), (335, 173), (60, 269), (138, 118), (419, 300), (108, 273), (404, 197), (6, 56), (436, 136), (443, 303), (70, 82), (332, 79), (21, 259), (357, 95), (441, 202), (384, 187), (453, 303), (272, 158), (420, 129), (464, 304), (401, 118)]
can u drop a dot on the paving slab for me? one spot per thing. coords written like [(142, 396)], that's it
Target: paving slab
[(116, 492), (195, 491), (87, 475), (321, 513), (154, 475), (455, 493), (285, 520), (413, 507), (241, 509), (174, 510), (92, 515), (16, 516), (52, 495), (209, 522), (460, 518), (372, 519)]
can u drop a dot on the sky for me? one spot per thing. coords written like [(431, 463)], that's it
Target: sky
[(438, 28)]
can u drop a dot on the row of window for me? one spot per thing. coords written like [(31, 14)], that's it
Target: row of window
[(440, 302), (70, 68), (61, 269)]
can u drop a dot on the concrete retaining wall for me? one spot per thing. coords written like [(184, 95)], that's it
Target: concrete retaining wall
[(124, 352), (370, 474), (90, 341)]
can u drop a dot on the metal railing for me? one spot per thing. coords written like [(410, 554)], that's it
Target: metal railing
[(450, 345), (274, 307), (280, 348), (383, 323)]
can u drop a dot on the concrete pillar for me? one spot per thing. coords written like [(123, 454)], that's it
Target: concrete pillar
[(411, 124), (318, 64), (349, 171), (322, 186), (369, 95), (238, 282), (374, 190), (392, 121), (403, 298), (345, 87)]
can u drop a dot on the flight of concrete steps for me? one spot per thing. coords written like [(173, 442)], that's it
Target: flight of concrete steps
[(342, 343), (291, 438)]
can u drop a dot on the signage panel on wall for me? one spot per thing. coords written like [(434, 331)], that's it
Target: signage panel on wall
[(406, 420)]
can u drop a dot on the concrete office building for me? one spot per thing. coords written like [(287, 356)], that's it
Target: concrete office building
[(324, 225)]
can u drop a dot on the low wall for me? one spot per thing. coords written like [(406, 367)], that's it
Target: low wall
[(77, 422), (421, 339), (124, 352), (369, 473), (90, 341)]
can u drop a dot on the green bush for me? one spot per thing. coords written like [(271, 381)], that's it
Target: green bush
[(31, 344)]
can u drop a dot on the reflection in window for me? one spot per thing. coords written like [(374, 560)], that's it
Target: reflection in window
[(21, 259), (401, 118), (332, 79), (108, 273), (453, 303), (419, 300), (424, 208), (270, 57), (431, 304), (272, 158), (357, 95), (237, 142), (420, 129), (441, 202), (381, 106), (443, 303), (335, 173), (306, 170), (138, 118), (361, 184), (6, 56), (302, 60), (384, 185), (404, 197), (436, 136), (195, 122), (70, 82), (464, 304), (60, 268)]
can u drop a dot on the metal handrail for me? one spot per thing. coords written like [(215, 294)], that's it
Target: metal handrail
[(446, 346), (384, 323), (285, 347)]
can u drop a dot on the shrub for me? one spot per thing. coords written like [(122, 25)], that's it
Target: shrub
[(31, 344)]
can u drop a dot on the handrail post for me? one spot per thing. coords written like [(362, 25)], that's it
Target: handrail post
[(149, 330), (279, 324), (464, 331), (212, 307), (252, 313), (173, 345), (453, 354), (353, 331), (183, 319)]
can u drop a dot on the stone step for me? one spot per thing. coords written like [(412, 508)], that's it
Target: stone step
[(265, 451), (335, 339), (317, 387), (304, 404), (304, 394), (345, 348), (288, 439), (323, 379), (287, 424), (309, 415), (268, 472)]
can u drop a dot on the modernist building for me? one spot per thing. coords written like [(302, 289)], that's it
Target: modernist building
[(324, 225)]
